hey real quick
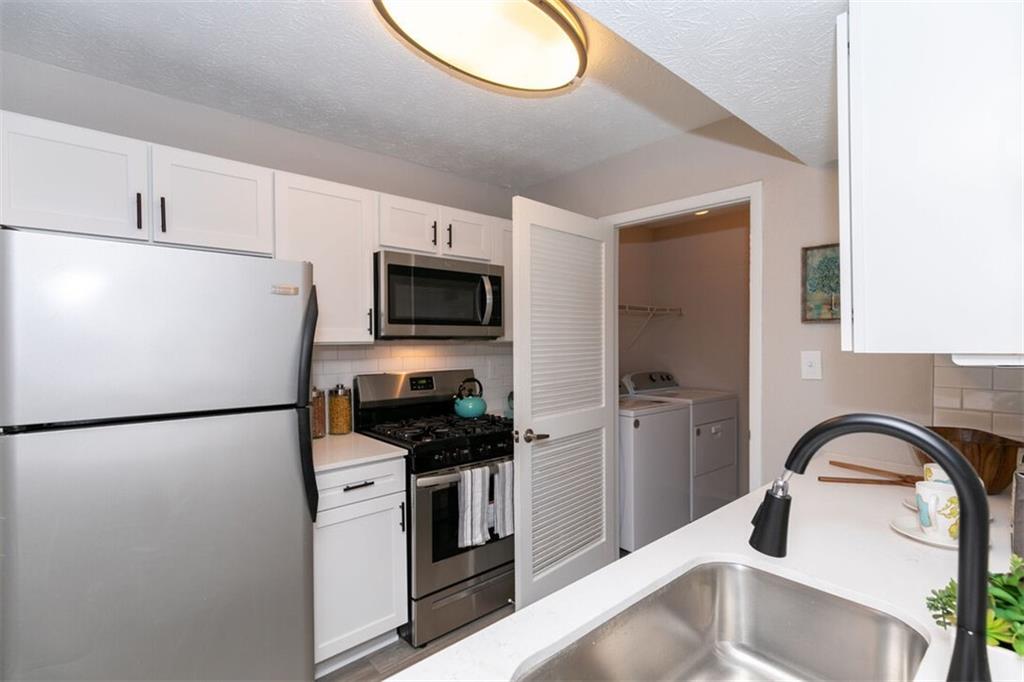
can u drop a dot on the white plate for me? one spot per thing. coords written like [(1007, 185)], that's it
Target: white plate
[(907, 525)]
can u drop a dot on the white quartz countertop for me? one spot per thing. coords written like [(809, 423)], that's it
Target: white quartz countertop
[(352, 449), (839, 542)]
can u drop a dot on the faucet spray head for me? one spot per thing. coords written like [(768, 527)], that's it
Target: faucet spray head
[(771, 522)]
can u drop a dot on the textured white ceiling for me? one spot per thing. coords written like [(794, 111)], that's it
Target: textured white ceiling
[(769, 62), (332, 69)]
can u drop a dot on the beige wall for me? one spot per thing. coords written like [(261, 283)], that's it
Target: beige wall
[(701, 266), (37, 89), (799, 209)]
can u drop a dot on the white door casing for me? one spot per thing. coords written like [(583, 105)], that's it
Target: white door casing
[(565, 385)]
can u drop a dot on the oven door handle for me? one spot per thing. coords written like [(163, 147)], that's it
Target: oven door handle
[(454, 477), (431, 481), (488, 300)]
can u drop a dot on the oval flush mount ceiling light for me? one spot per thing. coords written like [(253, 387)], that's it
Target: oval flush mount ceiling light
[(523, 45)]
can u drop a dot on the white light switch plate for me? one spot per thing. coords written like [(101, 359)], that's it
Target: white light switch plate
[(810, 364)]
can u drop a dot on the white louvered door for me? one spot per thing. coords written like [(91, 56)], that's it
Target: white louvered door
[(565, 387)]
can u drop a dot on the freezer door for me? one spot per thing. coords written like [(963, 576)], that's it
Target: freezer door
[(95, 329), (177, 549)]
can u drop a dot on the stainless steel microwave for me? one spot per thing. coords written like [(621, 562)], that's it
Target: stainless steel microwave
[(437, 298)]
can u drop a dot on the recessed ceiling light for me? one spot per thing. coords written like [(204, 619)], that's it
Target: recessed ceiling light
[(525, 45), (704, 212)]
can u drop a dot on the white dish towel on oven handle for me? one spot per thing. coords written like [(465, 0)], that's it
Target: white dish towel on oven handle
[(504, 496), (466, 508), (481, 477)]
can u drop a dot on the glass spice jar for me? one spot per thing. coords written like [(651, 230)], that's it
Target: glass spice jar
[(318, 413), (339, 405)]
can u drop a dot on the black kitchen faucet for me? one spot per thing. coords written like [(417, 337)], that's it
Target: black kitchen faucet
[(970, 659)]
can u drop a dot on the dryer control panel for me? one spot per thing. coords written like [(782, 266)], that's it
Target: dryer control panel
[(638, 382)]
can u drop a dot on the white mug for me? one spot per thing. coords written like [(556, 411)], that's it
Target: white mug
[(933, 473), (938, 509)]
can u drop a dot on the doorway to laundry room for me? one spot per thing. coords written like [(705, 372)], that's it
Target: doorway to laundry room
[(684, 300)]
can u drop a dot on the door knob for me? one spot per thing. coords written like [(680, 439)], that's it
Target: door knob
[(529, 436)]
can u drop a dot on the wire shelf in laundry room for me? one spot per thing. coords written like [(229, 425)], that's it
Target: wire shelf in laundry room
[(650, 311)]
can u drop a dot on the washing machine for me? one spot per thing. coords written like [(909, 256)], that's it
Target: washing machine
[(654, 469), (713, 438)]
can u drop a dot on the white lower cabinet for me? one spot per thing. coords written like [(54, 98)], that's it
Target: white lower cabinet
[(359, 573)]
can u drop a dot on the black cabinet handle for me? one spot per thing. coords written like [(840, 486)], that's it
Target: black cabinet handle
[(369, 320), (401, 520), (163, 215), (434, 227), (449, 235), (138, 210), (357, 486)]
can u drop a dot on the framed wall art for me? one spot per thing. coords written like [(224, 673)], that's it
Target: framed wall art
[(820, 283)]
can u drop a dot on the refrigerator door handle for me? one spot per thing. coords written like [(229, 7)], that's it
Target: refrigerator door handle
[(306, 358), (306, 460)]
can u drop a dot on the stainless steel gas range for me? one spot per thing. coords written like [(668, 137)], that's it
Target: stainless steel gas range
[(449, 586)]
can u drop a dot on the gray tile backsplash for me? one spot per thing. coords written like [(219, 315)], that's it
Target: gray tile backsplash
[(491, 362), (979, 397)]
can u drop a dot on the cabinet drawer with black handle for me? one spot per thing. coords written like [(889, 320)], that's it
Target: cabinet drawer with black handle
[(339, 487)]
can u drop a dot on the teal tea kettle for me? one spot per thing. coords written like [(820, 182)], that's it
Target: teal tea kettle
[(467, 404)]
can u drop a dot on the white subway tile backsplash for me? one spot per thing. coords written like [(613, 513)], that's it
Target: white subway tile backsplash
[(1009, 378), (994, 401), (968, 419), (490, 362), (946, 398), (389, 364), (963, 377)]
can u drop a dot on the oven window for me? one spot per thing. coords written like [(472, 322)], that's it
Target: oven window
[(445, 523), (426, 296)]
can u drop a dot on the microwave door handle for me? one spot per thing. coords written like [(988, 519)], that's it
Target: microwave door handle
[(488, 300)]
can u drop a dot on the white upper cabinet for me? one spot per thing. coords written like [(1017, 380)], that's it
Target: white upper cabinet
[(423, 227), (408, 224), (331, 226), (202, 200), (61, 177), (465, 234), (931, 202)]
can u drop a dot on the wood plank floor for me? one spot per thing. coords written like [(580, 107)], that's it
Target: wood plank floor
[(400, 655)]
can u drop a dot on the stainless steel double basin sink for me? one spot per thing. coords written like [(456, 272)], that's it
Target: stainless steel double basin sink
[(728, 621)]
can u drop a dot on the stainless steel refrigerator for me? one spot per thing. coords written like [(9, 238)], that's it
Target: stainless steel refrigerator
[(156, 477)]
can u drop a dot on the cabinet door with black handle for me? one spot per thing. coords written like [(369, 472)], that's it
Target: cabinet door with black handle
[(212, 202), (331, 226), (468, 235), (71, 179)]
